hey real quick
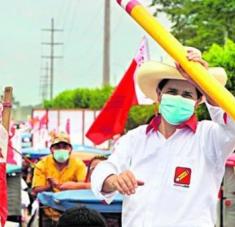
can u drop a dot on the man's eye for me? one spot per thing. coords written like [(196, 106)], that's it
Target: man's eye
[(187, 95)]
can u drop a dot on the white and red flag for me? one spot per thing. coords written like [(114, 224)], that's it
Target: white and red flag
[(43, 122), (67, 126), (11, 159), (3, 181), (112, 118)]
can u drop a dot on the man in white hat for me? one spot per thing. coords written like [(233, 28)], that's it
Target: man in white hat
[(169, 171)]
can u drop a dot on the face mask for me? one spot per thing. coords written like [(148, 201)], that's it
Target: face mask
[(61, 155), (175, 109)]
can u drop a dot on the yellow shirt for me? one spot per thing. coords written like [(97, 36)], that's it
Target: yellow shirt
[(46, 168)]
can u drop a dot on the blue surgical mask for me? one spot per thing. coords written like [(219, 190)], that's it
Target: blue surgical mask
[(61, 155), (175, 109)]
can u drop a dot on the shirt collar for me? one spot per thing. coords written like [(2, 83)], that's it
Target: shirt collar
[(191, 123)]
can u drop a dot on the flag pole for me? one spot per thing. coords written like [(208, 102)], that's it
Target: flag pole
[(6, 117), (7, 105)]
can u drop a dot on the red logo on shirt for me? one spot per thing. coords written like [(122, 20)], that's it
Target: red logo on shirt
[(182, 176)]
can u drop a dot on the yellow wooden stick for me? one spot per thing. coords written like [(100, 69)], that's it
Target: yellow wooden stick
[(176, 50), (7, 105)]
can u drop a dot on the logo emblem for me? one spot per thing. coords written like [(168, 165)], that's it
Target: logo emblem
[(182, 176)]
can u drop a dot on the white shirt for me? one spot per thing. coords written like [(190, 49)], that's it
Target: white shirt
[(182, 174)]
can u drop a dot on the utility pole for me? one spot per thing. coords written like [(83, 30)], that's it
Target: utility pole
[(106, 56), (52, 43), (45, 82)]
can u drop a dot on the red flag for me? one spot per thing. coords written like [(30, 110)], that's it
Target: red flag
[(112, 118), (43, 121), (3, 181), (11, 152), (33, 121), (3, 194), (67, 126)]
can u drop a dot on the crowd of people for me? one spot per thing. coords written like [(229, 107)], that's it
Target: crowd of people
[(59, 171), (165, 161)]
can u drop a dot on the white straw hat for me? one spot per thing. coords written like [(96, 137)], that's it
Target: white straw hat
[(151, 73)]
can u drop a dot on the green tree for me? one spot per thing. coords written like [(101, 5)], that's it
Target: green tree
[(139, 115), (64, 100), (217, 55), (80, 98), (223, 56), (95, 99), (200, 23)]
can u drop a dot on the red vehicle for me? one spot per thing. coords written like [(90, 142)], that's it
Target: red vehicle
[(226, 206)]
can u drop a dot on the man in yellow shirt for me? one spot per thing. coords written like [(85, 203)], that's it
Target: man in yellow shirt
[(59, 171)]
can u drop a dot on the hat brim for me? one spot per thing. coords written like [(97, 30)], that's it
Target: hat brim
[(60, 141), (151, 73)]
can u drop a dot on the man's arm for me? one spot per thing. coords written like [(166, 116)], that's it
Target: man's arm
[(222, 133), (71, 185), (39, 182), (117, 162), (80, 176), (114, 174), (41, 189)]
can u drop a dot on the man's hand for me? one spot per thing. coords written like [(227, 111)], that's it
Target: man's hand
[(195, 55), (53, 182), (125, 183)]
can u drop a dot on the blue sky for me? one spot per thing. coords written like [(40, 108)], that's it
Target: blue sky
[(82, 21)]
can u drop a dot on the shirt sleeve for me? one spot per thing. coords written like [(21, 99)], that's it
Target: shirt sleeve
[(39, 176), (222, 133), (81, 170), (118, 162)]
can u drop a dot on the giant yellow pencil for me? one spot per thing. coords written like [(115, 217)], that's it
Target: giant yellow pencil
[(176, 50)]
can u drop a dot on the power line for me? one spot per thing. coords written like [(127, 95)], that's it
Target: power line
[(71, 23), (92, 23)]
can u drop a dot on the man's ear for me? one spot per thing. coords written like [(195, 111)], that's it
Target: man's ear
[(159, 94), (198, 102)]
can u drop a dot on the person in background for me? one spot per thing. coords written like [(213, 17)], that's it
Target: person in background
[(25, 203), (92, 164), (57, 172), (81, 217), (111, 220)]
